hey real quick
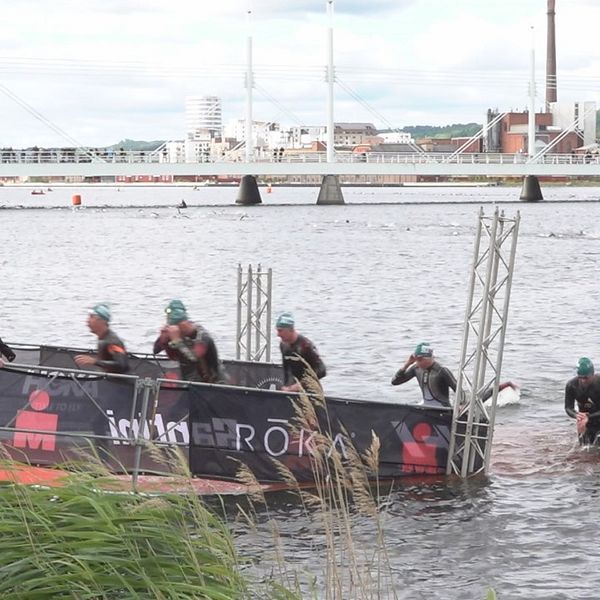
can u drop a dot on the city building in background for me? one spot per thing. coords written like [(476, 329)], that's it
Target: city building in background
[(396, 137), (203, 115), (510, 134), (583, 114), (348, 135)]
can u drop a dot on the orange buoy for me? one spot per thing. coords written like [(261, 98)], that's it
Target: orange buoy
[(76, 199)]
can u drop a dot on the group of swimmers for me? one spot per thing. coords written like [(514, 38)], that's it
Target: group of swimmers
[(196, 352), (193, 348)]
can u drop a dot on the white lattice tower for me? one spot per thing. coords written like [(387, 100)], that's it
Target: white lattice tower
[(253, 338), (484, 332)]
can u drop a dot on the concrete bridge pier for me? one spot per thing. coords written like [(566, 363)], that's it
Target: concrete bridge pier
[(331, 191), (531, 190), (248, 193)]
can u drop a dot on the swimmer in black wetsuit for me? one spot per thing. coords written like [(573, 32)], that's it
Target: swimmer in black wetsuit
[(297, 352), (585, 390), (191, 345), (434, 380), (112, 356)]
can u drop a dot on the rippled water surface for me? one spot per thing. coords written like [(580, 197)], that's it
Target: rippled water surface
[(366, 281)]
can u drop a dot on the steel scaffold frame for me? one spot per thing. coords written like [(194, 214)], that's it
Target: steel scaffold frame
[(253, 335), (484, 332)]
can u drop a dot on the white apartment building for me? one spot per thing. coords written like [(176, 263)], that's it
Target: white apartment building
[(189, 151), (198, 150), (174, 152), (305, 136), (345, 134), (203, 114), (265, 134)]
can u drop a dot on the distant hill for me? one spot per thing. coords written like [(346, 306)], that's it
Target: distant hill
[(137, 146), (446, 131)]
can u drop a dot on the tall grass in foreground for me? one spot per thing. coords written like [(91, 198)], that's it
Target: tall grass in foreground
[(341, 499), (349, 551), (79, 542)]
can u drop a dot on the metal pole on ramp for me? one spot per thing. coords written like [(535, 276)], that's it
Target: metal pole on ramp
[(253, 336), (484, 331)]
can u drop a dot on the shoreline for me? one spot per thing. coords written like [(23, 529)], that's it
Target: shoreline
[(480, 202)]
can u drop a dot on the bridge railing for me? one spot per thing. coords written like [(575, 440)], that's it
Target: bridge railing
[(71, 155), (42, 156)]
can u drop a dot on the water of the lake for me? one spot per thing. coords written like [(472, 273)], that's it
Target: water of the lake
[(366, 282)]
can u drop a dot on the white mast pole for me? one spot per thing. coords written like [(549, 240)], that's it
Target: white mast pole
[(531, 120), (330, 84), (249, 86)]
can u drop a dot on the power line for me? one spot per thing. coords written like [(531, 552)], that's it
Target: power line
[(278, 105), (94, 68), (40, 117), (373, 111)]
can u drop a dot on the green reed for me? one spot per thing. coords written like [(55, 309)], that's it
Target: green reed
[(76, 541)]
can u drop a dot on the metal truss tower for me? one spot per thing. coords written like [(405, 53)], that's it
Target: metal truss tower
[(483, 344), (253, 336)]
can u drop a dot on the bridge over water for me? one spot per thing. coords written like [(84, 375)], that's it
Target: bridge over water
[(52, 164)]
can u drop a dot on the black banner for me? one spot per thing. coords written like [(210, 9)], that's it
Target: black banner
[(229, 427), (217, 427), (140, 365), (37, 407), (240, 373), (264, 376)]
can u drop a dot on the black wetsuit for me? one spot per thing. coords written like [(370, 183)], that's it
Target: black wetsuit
[(112, 356), (6, 351), (293, 367), (435, 382), (587, 397), (206, 368)]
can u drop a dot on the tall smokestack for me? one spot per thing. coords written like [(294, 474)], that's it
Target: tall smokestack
[(551, 56)]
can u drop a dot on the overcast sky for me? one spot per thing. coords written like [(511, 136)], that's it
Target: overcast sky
[(103, 70)]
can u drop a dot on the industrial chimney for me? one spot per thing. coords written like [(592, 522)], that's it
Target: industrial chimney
[(551, 56)]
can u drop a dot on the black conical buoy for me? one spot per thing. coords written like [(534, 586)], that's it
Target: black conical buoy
[(531, 190), (248, 191), (330, 192)]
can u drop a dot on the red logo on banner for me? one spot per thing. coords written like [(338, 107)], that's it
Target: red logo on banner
[(35, 420), (173, 375), (420, 456)]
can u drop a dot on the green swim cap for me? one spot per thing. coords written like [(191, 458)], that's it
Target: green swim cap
[(285, 321), (423, 350), (585, 367), (101, 310), (176, 312)]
